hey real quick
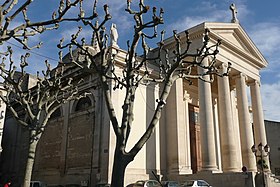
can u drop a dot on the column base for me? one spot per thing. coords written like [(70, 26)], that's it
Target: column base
[(232, 170), (184, 170), (209, 171), (213, 169)]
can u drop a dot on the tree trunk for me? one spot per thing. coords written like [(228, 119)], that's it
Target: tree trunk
[(30, 163), (119, 166)]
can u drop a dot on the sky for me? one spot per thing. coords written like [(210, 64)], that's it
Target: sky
[(260, 20)]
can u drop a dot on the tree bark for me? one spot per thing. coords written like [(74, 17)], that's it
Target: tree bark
[(119, 166), (30, 162)]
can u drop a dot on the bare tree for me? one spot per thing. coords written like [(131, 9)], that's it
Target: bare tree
[(138, 70), (32, 107), (11, 9)]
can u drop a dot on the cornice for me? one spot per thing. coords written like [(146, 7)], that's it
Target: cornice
[(254, 57)]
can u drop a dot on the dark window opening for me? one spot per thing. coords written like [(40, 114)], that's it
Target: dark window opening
[(83, 104), (56, 113)]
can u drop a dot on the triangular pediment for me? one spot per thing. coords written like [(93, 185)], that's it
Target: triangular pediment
[(234, 40), (232, 37), (235, 37)]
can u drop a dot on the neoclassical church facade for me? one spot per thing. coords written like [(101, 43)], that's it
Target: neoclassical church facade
[(206, 129)]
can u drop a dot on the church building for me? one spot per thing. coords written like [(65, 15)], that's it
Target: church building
[(206, 130)]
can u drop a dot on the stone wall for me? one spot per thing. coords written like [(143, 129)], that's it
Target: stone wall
[(273, 136), (64, 155)]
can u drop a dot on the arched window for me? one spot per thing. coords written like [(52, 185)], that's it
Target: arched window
[(83, 104), (56, 114)]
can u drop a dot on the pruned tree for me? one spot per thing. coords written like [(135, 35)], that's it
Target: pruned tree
[(32, 107), (161, 66), (11, 10)]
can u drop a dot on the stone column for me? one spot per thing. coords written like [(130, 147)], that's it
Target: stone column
[(176, 128), (228, 144), (258, 120), (188, 146), (206, 122), (245, 126)]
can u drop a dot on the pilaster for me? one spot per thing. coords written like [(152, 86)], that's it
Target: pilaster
[(188, 146), (236, 126), (66, 114), (217, 134)]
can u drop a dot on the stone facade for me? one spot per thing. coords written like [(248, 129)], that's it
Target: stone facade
[(273, 137), (65, 151), (205, 128)]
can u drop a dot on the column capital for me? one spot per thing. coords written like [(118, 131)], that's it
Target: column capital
[(232, 87), (187, 96), (214, 100), (239, 75), (223, 67), (254, 82)]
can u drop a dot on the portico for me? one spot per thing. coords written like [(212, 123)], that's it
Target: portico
[(227, 132)]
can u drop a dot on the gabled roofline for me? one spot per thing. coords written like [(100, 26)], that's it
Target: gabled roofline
[(197, 32), (240, 32)]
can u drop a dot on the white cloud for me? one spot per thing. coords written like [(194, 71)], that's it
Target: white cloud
[(117, 10), (271, 101), (273, 64), (67, 33), (267, 39), (211, 13), (266, 36), (186, 23)]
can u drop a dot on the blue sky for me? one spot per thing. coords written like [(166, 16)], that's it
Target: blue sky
[(260, 19)]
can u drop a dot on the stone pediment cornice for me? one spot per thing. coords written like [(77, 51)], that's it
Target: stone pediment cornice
[(234, 40)]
